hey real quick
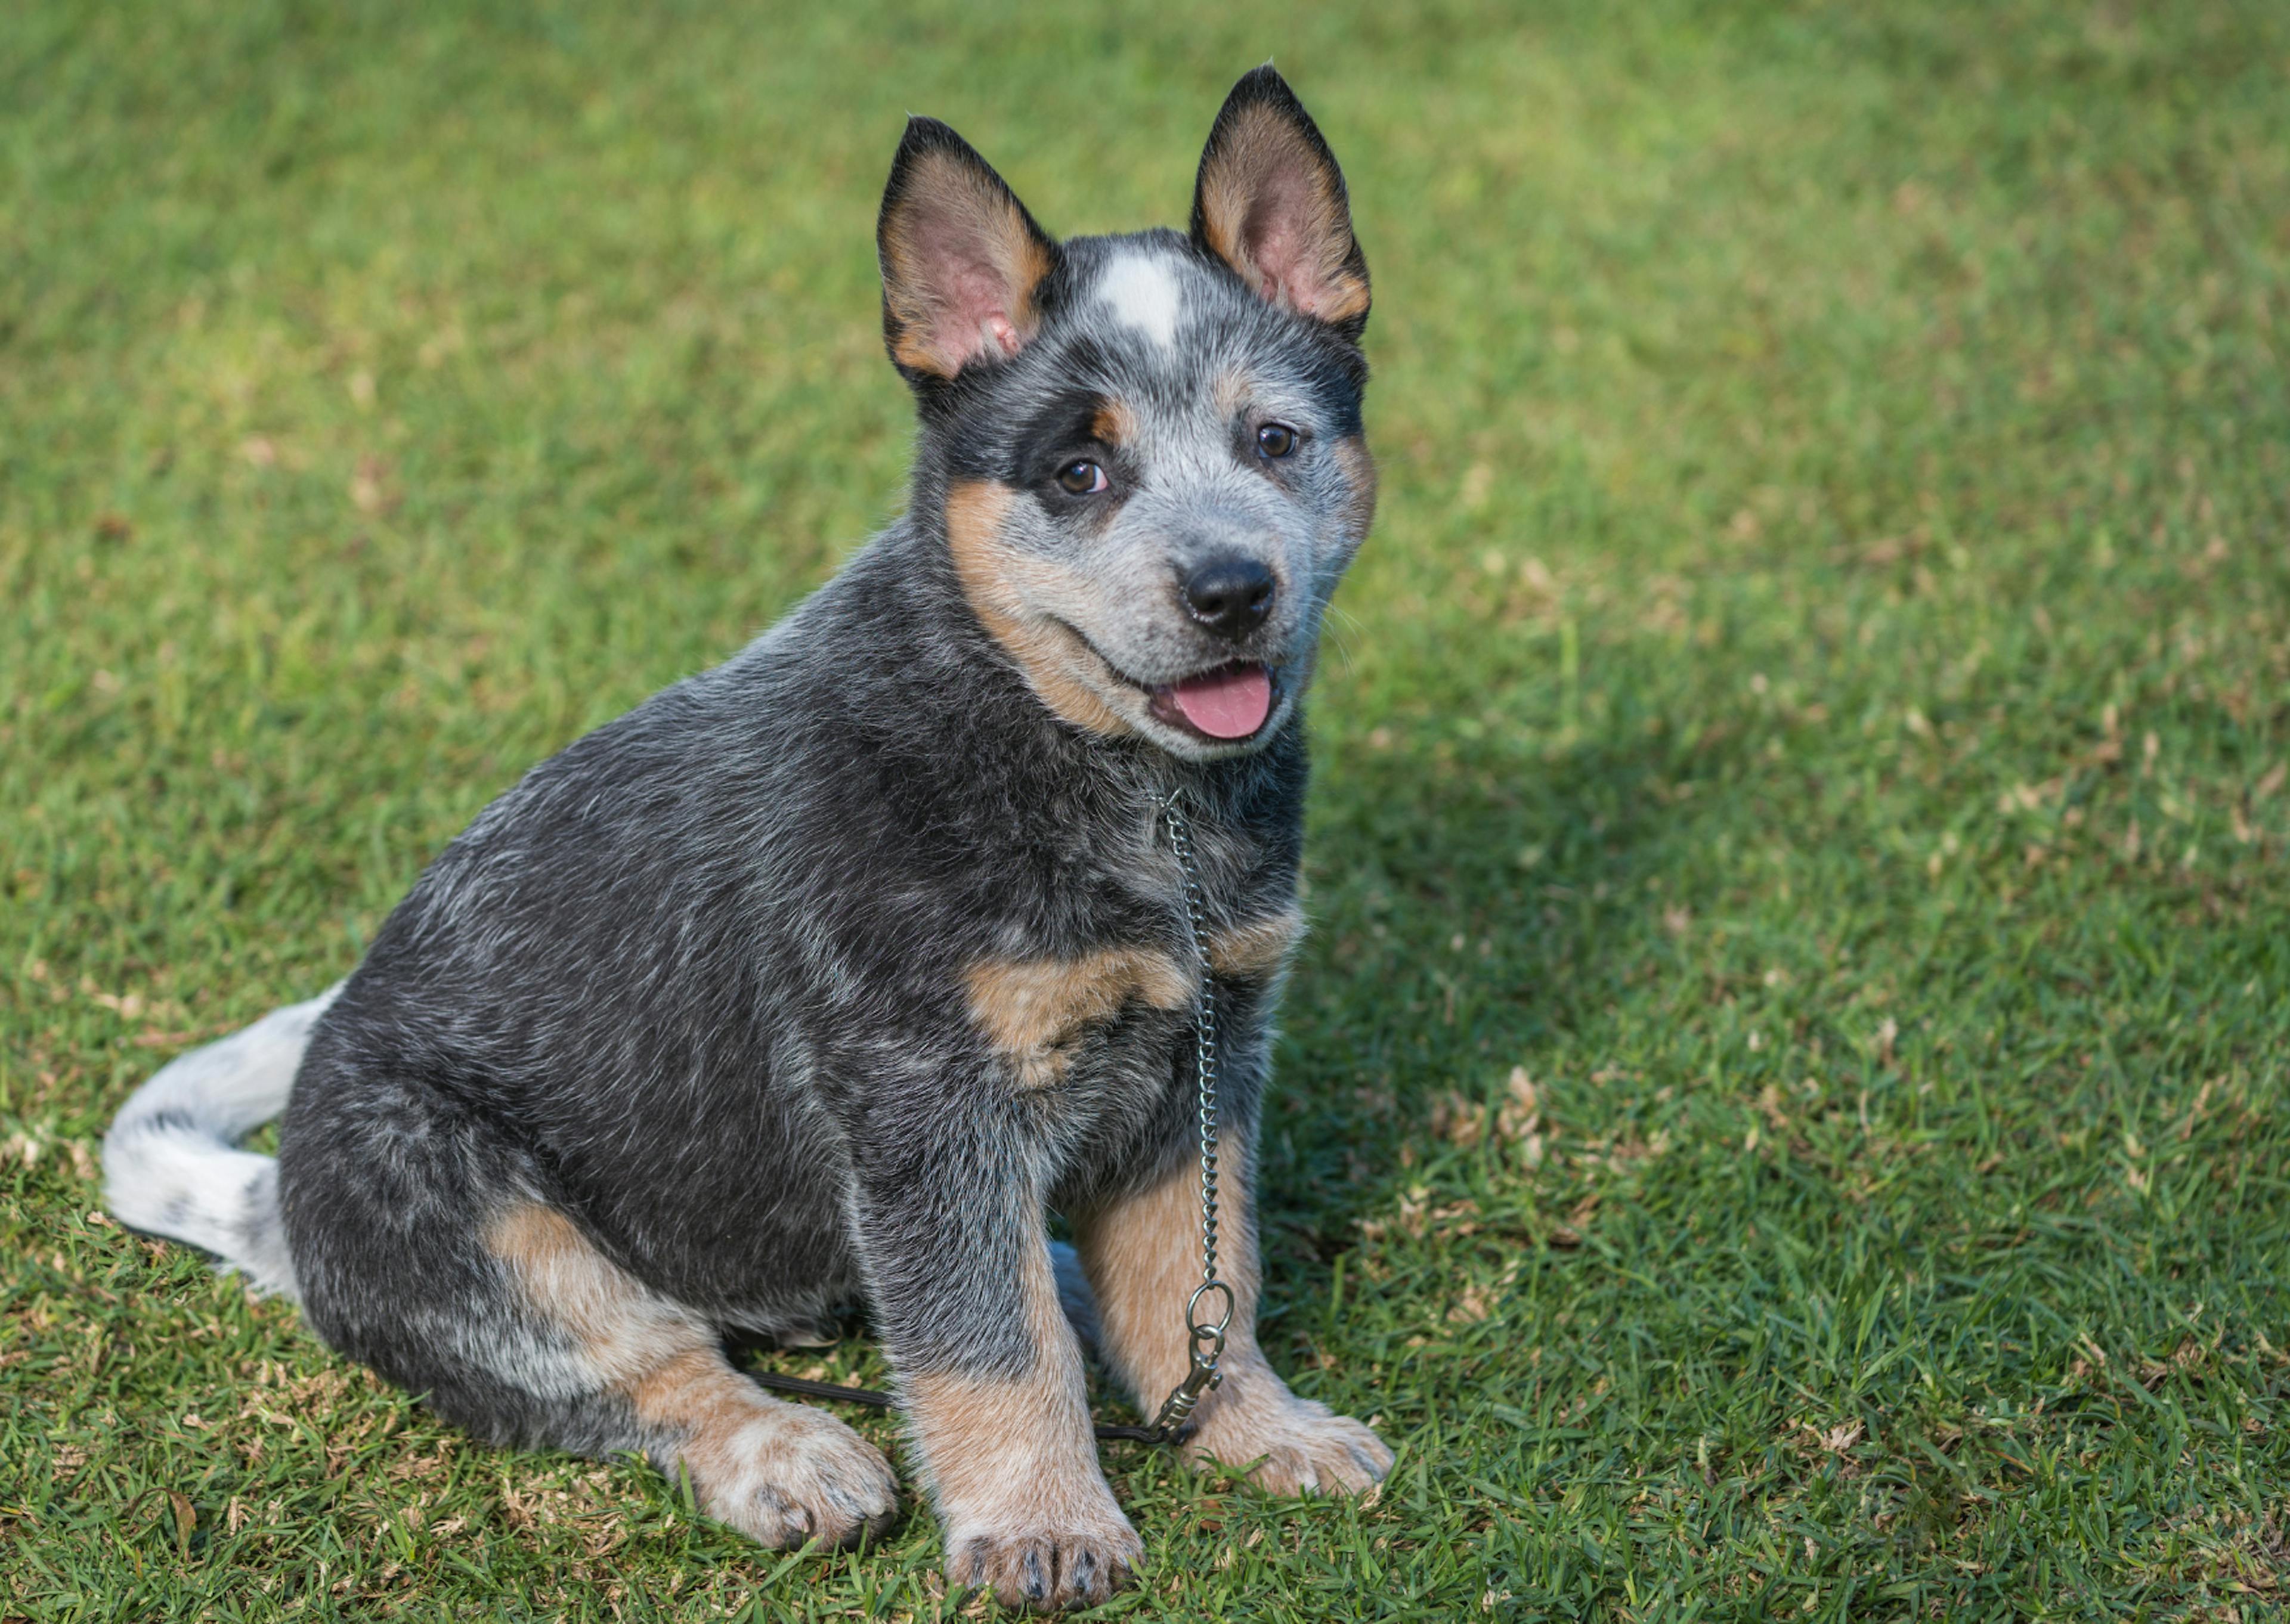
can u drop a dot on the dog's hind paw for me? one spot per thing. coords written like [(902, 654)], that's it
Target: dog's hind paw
[(1297, 1446), (1048, 1569), (799, 1475)]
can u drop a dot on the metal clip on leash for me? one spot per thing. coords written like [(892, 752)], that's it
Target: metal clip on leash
[(1205, 1337)]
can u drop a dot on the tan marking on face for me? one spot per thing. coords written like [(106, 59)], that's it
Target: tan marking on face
[(1258, 948), (1115, 423), (993, 574), (1035, 1011), (963, 207), (1262, 154), (1358, 468), (1229, 392)]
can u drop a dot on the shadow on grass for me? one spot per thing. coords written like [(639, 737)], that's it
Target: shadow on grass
[(1477, 907)]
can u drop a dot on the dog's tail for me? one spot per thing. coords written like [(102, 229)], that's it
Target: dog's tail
[(172, 1165)]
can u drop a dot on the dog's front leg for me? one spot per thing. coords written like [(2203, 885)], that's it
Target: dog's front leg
[(1142, 1251), (990, 1372)]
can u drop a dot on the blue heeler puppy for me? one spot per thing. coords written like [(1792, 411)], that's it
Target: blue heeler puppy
[(824, 976)]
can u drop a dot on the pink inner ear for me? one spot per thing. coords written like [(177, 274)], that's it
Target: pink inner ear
[(968, 280), (975, 316), (1289, 261)]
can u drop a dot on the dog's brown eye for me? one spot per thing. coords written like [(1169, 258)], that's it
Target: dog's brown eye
[(1084, 478), (1275, 439)]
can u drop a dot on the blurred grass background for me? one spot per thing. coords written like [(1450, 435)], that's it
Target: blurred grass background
[(1781, 1112)]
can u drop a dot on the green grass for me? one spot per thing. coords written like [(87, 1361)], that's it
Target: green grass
[(1814, 710)]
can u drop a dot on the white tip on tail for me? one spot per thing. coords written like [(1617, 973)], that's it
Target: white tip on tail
[(171, 1165)]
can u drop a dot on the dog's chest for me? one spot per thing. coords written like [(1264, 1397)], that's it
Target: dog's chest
[(1095, 1020)]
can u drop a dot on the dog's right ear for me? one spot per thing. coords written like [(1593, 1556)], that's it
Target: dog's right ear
[(962, 260)]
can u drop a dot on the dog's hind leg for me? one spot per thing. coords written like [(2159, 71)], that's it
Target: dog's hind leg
[(781, 1473), (425, 1250)]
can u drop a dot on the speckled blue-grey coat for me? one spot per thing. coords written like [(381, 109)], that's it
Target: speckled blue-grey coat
[(823, 977)]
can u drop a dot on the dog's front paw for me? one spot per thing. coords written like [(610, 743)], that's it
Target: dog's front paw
[(1079, 1563), (1293, 1445), (793, 1474)]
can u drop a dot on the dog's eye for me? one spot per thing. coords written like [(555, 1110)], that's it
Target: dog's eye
[(1084, 478), (1275, 439)]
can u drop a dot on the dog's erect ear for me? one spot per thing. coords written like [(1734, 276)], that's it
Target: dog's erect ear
[(961, 257), (1270, 204)]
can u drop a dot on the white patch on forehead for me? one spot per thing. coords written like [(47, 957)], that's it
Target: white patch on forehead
[(1142, 294)]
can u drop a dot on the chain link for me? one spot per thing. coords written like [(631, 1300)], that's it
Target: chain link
[(1205, 1029), (1204, 1338)]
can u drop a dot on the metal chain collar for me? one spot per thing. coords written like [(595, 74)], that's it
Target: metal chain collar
[(1204, 1338)]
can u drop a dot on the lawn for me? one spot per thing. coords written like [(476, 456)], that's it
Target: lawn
[(1781, 1113)]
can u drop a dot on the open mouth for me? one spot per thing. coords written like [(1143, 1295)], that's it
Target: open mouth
[(1226, 704), (1231, 703)]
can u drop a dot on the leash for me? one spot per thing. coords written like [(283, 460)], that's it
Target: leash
[(803, 1386), (1204, 1338)]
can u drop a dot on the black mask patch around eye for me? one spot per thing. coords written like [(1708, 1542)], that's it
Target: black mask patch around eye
[(1076, 422)]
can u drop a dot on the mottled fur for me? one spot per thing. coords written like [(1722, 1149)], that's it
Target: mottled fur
[(823, 976)]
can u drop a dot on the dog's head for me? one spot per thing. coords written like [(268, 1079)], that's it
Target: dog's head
[(1148, 447)]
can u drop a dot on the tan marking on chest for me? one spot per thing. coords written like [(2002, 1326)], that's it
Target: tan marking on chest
[(1257, 949), (1036, 1011), (993, 575)]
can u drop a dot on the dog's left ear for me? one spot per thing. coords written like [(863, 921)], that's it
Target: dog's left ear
[(1270, 204), (962, 260)]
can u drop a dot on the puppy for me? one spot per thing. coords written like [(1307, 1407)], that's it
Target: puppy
[(824, 976)]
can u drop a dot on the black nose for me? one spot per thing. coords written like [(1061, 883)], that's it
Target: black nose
[(1230, 596)]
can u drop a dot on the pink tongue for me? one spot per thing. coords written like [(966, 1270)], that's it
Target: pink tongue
[(1230, 703)]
